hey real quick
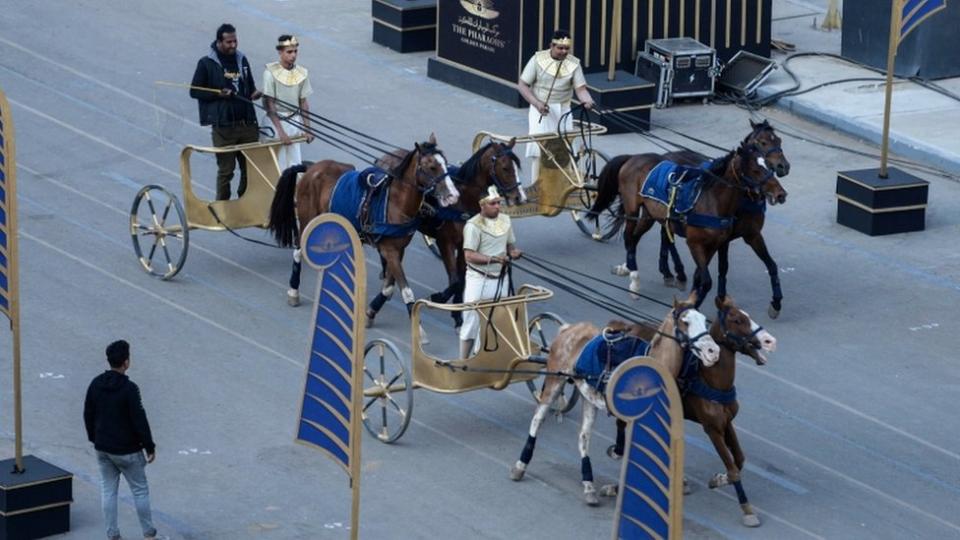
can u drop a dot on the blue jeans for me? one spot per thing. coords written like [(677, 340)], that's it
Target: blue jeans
[(132, 466)]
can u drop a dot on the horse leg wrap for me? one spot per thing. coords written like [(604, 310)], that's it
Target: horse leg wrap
[(378, 301), (527, 452), (295, 274), (631, 261), (621, 436), (664, 265), (297, 256), (586, 469), (407, 294), (741, 495)]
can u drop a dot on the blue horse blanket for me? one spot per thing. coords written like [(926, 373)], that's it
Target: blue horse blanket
[(667, 174), (348, 197), (616, 348)]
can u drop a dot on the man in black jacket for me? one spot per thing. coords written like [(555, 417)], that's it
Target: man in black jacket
[(118, 428), (230, 111)]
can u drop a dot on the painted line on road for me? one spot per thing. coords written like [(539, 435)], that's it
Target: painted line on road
[(847, 408), (161, 299), (854, 481), (96, 81)]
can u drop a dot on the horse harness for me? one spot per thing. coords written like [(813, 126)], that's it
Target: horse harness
[(690, 380)]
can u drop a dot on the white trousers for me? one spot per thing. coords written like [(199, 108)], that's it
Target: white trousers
[(478, 287), (547, 124), (288, 155)]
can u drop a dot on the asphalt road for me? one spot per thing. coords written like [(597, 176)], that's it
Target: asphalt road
[(848, 430)]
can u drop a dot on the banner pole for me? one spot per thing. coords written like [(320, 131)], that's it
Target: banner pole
[(13, 273), (888, 98)]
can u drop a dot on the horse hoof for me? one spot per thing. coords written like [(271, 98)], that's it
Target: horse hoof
[(293, 298), (609, 490), (686, 487), (750, 520), (591, 498), (612, 452), (681, 285), (772, 312), (669, 281), (620, 270), (718, 480), (516, 474)]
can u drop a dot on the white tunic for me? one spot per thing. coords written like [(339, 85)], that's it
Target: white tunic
[(540, 73)]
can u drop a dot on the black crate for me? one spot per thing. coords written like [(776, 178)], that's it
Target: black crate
[(35, 503), (878, 206), (405, 25), (630, 96)]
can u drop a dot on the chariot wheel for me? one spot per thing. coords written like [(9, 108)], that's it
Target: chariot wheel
[(543, 329), (590, 162), (160, 232), (387, 392), (431, 243)]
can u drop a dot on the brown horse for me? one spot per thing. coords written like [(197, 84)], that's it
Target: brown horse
[(683, 329), (422, 171), (749, 170), (494, 164), (710, 398), (748, 224)]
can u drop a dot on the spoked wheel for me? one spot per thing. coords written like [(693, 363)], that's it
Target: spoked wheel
[(542, 330), (160, 232), (387, 392), (431, 243), (590, 162)]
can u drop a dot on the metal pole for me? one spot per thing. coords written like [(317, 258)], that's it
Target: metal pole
[(891, 60), (615, 32)]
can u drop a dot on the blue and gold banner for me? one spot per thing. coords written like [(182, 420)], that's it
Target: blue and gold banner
[(8, 173), (650, 497), (330, 410), (914, 12)]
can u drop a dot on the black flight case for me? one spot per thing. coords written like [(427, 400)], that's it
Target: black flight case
[(681, 68)]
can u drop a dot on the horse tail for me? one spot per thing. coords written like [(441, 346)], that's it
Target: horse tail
[(608, 188), (283, 215)]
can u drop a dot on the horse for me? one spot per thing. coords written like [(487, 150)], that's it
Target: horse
[(709, 396), (743, 171), (494, 164), (683, 329), (748, 224), (422, 171)]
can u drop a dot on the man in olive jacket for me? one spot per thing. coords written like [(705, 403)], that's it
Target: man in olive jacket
[(117, 426)]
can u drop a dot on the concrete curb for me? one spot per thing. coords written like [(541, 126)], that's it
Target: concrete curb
[(907, 147)]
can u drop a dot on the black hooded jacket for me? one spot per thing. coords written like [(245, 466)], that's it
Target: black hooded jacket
[(216, 110), (114, 416)]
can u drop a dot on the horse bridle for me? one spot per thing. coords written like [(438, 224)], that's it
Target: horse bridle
[(740, 343), (751, 185), (432, 181), (684, 339), (493, 172)]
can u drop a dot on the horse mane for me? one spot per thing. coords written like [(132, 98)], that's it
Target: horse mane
[(426, 147), (471, 167)]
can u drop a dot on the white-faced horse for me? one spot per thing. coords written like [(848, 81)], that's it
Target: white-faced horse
[(683, 329)]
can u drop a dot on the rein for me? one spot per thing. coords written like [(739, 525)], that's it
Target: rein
[(739, 342)]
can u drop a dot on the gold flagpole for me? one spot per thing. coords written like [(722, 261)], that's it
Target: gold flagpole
[(891, 59), (13, 273), (615, 39)]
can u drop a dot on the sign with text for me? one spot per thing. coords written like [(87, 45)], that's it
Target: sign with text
[(481, 34)]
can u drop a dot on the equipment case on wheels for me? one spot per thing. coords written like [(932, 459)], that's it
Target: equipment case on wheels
[(681, 67)]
